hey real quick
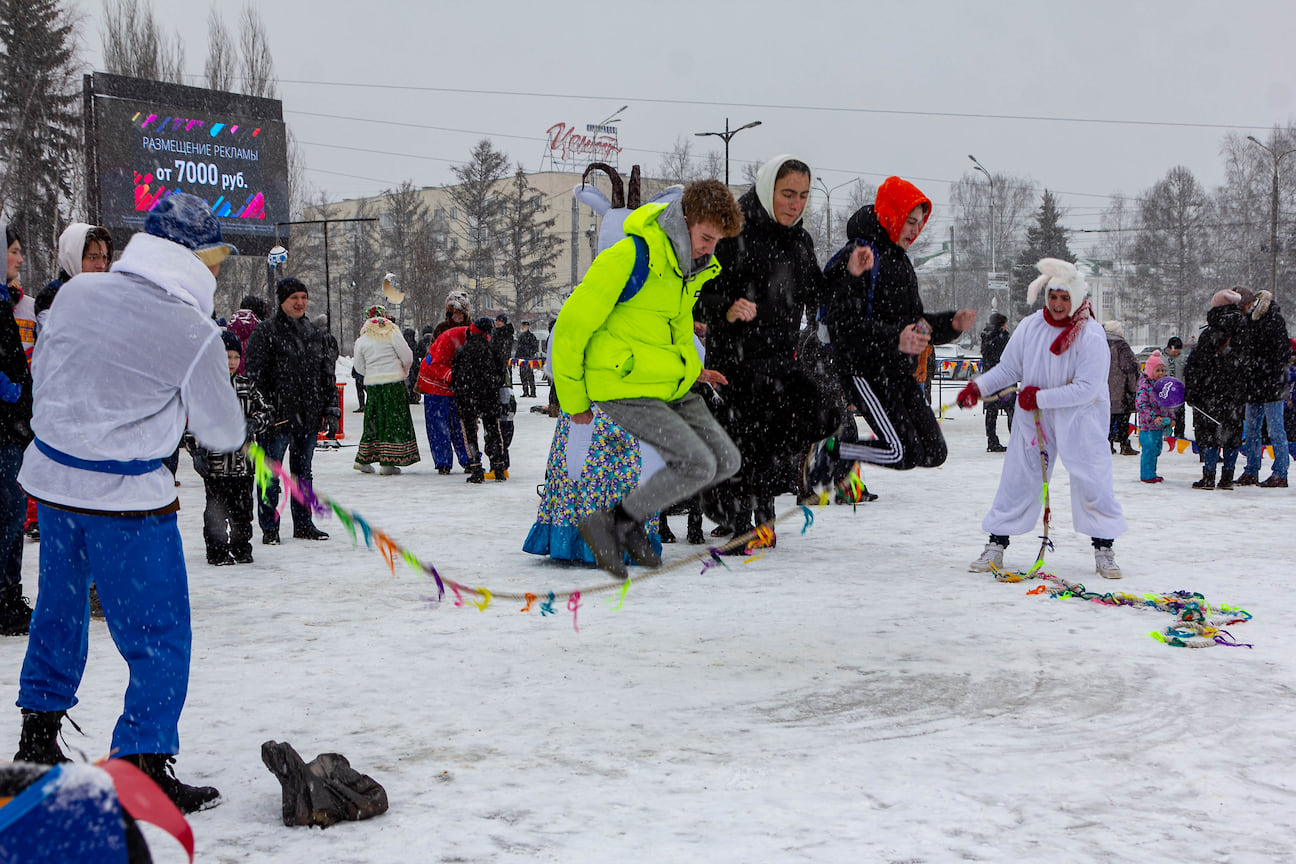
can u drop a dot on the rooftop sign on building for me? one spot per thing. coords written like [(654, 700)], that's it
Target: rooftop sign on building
[(567, 148)]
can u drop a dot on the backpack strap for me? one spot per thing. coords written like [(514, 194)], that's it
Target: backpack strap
[(639, 274)]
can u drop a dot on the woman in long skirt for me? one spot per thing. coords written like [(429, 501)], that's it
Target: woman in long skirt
[(384, 359)]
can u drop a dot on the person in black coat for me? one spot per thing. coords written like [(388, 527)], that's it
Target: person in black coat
[(877, 327), (411, 379), (1265, 378), (477, 379), (771, 409), (1213, 387), (502, 344), (526, 348), (994, 338), (288, 363), (15, 435)]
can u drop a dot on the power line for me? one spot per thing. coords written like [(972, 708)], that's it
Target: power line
[(773, 106)]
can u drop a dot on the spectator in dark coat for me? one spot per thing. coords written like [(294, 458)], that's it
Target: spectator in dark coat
[(1213, 387), (994, 338), (502, 344), (1265, 376), (411, 380), (1172, 354), (15, 435), (1122, 387), (288, 363), (526, 348), (476, 377)]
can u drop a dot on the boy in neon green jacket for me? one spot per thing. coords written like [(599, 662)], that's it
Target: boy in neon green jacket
[(634, 357)]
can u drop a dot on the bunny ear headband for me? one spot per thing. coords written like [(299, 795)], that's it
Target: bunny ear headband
[(1059, 274)]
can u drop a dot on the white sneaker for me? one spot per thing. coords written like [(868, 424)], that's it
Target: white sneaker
[(363, 468), (1105, 564), (389, 469), (991, 558)]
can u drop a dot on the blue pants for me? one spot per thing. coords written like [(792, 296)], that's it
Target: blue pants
[(444, 431), (13, 512), (1211, 457), (138, 568), (275, 445), (1149, 449), (1272, 415)]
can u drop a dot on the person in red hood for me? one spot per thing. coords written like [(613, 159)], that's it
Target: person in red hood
[(877, 328)]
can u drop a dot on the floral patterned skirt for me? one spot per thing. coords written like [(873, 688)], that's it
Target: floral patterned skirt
[(609, 469)]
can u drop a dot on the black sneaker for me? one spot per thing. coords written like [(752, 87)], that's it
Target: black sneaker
[(15, 613), (475, 474), (39, 740), (221, 560), (996, 447), (270, 537), (444, 469), (600, 532), (159, 768), (243, 557), (309, 532), (33, 532)]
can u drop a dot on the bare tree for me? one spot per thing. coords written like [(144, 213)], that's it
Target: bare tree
[(677, 165), (259, 78), (222, 54), (134, 45), (1170, 252)]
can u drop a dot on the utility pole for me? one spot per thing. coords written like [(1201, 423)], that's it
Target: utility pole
[(828, 208), (728, 135), (1273, 213)]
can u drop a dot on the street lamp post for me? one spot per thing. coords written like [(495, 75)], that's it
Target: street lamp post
[(981, 168), (1273, 213), (828, 206), (726, 136)]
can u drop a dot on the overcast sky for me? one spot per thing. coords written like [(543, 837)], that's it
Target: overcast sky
[(1085, 98)]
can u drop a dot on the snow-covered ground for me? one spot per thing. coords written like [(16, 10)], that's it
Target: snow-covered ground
[(855, 695)]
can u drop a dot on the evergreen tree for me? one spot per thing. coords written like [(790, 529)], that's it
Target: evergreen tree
[(1047, 238), (531, 248), (480, 207), (39, 119)]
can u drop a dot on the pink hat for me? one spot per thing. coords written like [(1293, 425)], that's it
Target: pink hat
[(1153, 362)]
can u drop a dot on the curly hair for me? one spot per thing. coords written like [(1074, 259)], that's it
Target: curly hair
[(711, 201)]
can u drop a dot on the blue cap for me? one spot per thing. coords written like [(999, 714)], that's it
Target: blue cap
[(187, 219)]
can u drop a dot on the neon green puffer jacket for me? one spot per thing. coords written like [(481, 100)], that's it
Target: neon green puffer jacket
[(643, 347)]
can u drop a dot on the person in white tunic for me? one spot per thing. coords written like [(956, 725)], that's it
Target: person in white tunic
[(1061, 359)]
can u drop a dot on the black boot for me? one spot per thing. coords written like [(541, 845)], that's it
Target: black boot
[(635, 540), (15, 614), (309, 532), (1207, 481), (158, 766), (599, 531), (39, 740), (1226, 479), (695, 535), (475, 473), (664, 530)]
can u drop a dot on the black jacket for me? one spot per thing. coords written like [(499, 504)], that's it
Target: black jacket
[(993, 342), (1266, 354), (288, 363), (476, 376), (773, 266), (255, 411), (867, 313), (527, 346), (1213, 374), (15, 417)]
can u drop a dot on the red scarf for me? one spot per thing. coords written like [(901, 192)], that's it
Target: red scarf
[(1070, 327)]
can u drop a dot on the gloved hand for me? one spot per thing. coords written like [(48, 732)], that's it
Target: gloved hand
[(969, 396), (1026, 398), (9, 391), (330, 427)]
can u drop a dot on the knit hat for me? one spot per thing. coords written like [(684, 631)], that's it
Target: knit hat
[(997, 320), (501, 318), (288, 287), (458, 301), (231, 341), (375, 312), (1153, 362), (187, 219), (484, 325), (1062, 276)]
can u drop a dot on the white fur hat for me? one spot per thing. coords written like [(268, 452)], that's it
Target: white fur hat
[(1061, 275)]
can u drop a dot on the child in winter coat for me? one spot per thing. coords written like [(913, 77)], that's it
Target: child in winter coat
[(227, 477), (1153, 419), (476, 376)]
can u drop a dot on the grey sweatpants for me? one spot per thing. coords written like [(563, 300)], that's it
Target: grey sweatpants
[(697, 452)]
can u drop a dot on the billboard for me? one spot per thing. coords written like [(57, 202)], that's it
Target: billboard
[(146, 140)]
